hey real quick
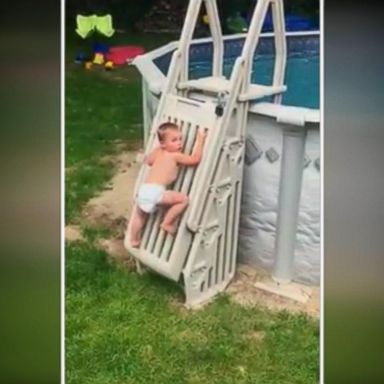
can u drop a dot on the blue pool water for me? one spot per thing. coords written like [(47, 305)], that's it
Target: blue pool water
[(302, 76)]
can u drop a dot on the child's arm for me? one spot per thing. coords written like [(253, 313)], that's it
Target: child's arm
[(150, 158), (195, 157)]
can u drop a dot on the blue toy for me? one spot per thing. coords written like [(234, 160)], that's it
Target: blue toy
[(100, 48), (81, 57)]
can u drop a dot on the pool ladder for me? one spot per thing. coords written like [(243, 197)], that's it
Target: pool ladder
[(202, 254)]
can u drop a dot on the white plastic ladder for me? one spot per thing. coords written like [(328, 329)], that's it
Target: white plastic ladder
[(202, 253)]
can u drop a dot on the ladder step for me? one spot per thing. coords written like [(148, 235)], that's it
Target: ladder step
[(221, 84), (257, 91), (210, 84)]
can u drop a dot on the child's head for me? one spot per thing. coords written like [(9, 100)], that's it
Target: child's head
[(169, 137)]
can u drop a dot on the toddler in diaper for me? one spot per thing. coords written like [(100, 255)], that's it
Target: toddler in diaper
[(164, 162)]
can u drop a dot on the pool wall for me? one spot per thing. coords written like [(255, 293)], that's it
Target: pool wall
[(267, 125), (262, 175)]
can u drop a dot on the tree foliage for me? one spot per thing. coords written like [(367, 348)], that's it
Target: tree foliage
[(127, 13)]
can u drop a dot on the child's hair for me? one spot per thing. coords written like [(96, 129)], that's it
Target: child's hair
[(161, 131)]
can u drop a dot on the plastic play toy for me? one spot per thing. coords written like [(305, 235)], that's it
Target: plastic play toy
[(123, 54), (86, 25), (104, 25), (292, 23), (98, 59), (100, 48), (108, 65)]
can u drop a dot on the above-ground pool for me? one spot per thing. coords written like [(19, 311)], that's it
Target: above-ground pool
[(269, 126), (301, 76), (302, 71)]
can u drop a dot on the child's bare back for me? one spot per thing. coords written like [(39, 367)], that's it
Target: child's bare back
[(164, 167)]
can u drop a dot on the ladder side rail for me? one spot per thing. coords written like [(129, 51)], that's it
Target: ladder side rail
[(175, 68), (221, 263), (208, 201), (204, 173), (280, 46), (186, 36), (217, 37), (241, 128), (236, 217)]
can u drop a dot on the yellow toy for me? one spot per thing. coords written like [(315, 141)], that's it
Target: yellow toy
[(98, 59), (108, 65), (88, 65)]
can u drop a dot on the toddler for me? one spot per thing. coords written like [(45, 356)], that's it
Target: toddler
[(164, 162)]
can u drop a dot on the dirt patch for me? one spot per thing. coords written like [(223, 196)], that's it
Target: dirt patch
[(113, 206), (243, 291), (73, 233), (115, 248)]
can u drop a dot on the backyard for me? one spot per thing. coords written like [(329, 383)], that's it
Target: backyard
[(122, 327)]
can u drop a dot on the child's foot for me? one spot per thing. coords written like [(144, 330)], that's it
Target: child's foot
[(129, 242), (169, 228), (135, 243)]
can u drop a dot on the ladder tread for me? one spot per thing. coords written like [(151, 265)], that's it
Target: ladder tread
[(258, 91), (210, 84), (216, 84)]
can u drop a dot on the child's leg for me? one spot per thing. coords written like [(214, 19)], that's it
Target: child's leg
[(137, 223), (177, 201)]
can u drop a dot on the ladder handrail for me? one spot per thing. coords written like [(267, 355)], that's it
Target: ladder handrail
[(186, 36), (252, 39), (217, 37), (280, 46)]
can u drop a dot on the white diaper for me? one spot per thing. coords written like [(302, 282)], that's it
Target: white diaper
[(148, 196)]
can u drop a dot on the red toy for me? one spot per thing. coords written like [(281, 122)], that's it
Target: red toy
[(123, 54)]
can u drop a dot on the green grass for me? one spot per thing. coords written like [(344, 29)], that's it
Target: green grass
[(102, 109), (122, 327)]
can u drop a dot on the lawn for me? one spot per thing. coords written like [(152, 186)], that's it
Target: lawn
[(125, 328), (101, 109)]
